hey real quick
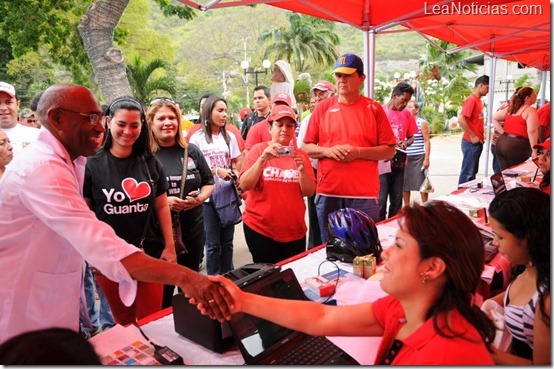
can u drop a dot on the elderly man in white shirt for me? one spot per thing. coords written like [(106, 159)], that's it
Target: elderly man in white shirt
[(47, 229)]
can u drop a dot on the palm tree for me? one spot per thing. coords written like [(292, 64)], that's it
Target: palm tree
[(442, 79), (144, 85), (305, 42)]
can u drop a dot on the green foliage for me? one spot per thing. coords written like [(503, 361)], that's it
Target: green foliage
[(434, 118), (524, 81), (27, 25), (29, 74), (180, 11), (144, 82), (307, 41), (443, 82)]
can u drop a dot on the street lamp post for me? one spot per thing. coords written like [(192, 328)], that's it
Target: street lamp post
[(509, 79), (245, 65)]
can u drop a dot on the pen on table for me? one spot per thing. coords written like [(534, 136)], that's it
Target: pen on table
[(535, 176)]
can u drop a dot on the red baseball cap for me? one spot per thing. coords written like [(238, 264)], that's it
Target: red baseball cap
[(282, 97), (244, 112), (543, 145), (281, 111), (324, 86)]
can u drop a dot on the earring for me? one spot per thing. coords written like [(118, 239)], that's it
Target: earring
[(424, 278)]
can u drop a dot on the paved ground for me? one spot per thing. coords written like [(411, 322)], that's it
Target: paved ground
[(446, 160)]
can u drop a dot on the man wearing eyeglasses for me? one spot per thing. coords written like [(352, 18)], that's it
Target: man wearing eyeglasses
[(47, 229), (20, 136)]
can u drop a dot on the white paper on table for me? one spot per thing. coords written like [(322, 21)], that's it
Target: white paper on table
[(358, 291)]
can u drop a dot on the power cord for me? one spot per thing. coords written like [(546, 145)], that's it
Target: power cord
[(337, 280), (163, 354)]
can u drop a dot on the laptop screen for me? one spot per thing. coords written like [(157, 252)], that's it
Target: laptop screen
[(259, 335)]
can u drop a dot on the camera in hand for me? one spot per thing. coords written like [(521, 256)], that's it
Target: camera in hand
[(285, 151), (234, 176)]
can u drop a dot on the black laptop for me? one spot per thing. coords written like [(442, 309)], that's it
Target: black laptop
[(264, 343)]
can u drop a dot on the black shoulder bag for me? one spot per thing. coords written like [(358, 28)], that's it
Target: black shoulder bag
[(180, 247)]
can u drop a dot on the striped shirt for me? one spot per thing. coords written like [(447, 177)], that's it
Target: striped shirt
[(418, 147), (520, 319)]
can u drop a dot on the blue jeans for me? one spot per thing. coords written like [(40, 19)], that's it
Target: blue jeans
[(470, 162), (327, 204), (495, 166), (219, 243), (100, 318), (392, 185)]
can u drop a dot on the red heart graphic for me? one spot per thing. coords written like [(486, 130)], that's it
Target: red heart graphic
[(134, 190)]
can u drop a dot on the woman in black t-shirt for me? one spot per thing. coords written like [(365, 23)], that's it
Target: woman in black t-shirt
[(125, 186), (167, 142)]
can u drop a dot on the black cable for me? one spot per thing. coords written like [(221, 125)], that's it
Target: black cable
[(337, 281), (157, 347)]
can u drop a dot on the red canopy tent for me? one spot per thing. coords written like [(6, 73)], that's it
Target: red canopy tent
[(370, 16)]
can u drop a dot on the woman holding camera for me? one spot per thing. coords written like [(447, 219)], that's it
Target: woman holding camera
[(222, 153), (276, 173)]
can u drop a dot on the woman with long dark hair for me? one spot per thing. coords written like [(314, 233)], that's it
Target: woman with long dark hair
[(125, 186), (431, 274), (520, 132), (169, 145), (520, 220), (221, 151)]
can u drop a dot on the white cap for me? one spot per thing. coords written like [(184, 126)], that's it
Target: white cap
[(7, 88)]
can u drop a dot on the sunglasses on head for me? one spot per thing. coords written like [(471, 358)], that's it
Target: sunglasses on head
[(156, 99)]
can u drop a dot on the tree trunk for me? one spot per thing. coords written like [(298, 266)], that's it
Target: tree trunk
[(108, 63)]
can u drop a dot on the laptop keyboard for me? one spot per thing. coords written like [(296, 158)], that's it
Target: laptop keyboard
[(313, 350)]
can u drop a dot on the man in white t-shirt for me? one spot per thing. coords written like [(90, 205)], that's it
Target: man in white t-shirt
[(18, 134)]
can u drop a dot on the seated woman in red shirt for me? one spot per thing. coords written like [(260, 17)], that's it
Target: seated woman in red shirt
[(277, 176), (430, 273), (520, 132)]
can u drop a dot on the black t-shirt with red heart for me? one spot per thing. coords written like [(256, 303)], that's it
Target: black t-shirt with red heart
[(121, 193)]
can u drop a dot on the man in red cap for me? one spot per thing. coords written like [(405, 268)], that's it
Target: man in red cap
[(348, 134), (20, 136)]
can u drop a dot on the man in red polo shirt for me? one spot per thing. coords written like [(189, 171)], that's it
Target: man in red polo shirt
[(472, 121), (348, 133)]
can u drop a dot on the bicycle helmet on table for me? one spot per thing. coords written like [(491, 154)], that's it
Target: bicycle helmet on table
[(352, 233)]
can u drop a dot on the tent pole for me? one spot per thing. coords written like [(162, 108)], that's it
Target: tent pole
[(492, 78), (369, 52), (543, 86)]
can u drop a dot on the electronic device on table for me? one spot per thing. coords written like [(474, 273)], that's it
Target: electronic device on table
[(265, 343), (211, 334)]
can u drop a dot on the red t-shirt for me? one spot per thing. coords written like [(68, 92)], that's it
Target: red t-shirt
[(275, 206), (363, 124), (544, 119), (425, 346), (473, 111), (231, 128)]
